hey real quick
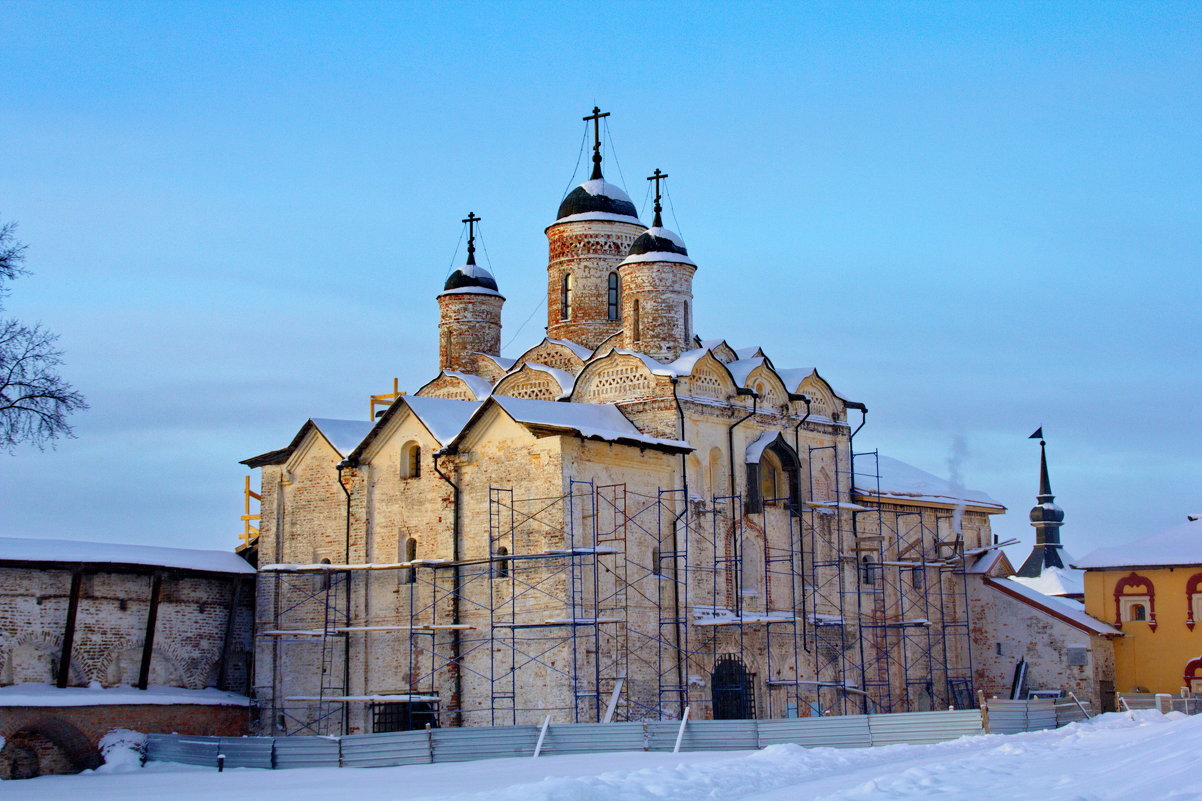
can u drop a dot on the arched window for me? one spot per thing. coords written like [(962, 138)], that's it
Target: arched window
[(614, 309), (1135, 601), (411, 460), (771, 475), (565, 298), (635, 320), (655, 562), (410, 555), (1138, 612), (325, 575), (868, 570), (1193, 600), (502, 562)]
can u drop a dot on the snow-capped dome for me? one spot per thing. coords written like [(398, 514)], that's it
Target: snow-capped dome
[(658, 244), (599, 199), (471, 277)]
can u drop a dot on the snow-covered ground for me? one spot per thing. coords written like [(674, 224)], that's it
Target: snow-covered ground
[(1118, 756)]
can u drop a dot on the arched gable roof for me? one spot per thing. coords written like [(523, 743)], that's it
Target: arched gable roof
[(705, 374), (775, 392), (722, 351), (443, 418), (492, 367), (456, 385), (534, 380), (620, 374), (562, 354)]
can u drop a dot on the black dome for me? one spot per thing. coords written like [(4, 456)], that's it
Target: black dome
[(597, 195), (470, 275), (657, 240)]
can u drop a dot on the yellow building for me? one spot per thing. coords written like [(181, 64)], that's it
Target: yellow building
[(1151, 589)]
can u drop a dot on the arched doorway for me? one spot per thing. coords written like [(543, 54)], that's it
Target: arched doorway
[(733, 689), (45, 747)]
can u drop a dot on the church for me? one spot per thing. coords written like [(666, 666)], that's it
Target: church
[(624, 522)]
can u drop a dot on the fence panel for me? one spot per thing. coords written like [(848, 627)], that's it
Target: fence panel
[(1137, 701), (307, 752), (835, 731), (1068, 712), (385, 750), (1006, 717), (918, 728), (247, 752), (464, 745), (1041, 714), (703, 735), (186, 749), (589, 738), (1190, 706)]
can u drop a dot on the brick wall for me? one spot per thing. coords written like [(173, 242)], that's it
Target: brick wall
[(469, 323), (589, 251)]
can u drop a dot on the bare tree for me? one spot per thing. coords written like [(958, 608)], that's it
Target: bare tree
[(34, 401)]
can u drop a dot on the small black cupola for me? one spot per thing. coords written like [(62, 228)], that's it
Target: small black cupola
[(471, 276), (657, 239)]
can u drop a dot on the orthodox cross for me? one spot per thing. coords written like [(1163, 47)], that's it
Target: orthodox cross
[(471, 221), (657, 176), (596, 120)]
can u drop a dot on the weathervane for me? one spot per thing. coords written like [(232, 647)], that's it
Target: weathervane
[(596, 119), (657, 176), (471, 221)]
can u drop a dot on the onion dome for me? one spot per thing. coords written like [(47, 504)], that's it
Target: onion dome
[(657, 243), (599, 199), (471, 278)]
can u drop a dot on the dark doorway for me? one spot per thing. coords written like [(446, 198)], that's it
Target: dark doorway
[(733, 688)]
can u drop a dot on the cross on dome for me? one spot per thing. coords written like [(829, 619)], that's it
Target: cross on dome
[(657, 176), (471, 221), (595, 117)]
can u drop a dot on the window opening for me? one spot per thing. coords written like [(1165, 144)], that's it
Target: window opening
[(614, 310)]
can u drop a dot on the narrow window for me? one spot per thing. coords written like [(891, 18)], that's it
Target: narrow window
[(655, 562), (565, 298), (868, 569), (613, 296), (325, 575), (410, 555), (1139, 612), (636, 321), (688, 324), (503, 562), (411, 460)]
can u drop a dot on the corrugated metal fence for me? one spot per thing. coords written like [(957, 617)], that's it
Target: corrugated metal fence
[(472, 743)]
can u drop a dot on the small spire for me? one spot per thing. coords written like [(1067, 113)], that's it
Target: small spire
[(1045, 486), (595, 117), (657, 176), (471, 221)]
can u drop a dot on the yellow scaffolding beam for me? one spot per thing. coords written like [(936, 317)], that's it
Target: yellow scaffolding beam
[(249, 533), (386, 399)]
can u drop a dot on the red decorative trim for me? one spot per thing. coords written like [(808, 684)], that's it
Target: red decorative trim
[(1193, 671), (1134, 580), (1192, 587)]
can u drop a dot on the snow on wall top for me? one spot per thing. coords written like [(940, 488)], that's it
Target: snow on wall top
[(444, 417), (742, 368), (18, 549), (33, 694), (1180, 545), (756, 449), (592, 420), (480, 387), (580, 350), (1055, 581), (344, 435), (906, 482), (1065, 607), (562, 377)]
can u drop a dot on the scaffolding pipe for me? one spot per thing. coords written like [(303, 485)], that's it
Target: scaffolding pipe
[(730, 453), (805, 642), (684, 475), (346, 643)]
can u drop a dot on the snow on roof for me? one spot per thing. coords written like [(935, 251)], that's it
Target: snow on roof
[(20, 549), (591, 420), (742, 368), (1180, 545), (444, 417), (471, 290), (600, 186), (565, 379), (33, 694), (504, 362), (685, 363), (756, 449), (1055, 581), (1065, 608), (580, 350), (481, 387), (983, 562), (656, 367), (793, 376), (656, 255), (906, 482), (344, 435), (749, 353), (609, 216)]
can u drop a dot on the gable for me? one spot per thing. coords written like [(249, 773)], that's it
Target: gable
[(614, 378)]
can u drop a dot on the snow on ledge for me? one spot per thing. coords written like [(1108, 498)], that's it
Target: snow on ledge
[(48, 695), (19, 549)]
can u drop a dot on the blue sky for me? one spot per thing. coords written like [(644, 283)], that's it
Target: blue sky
[(976, 218)]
